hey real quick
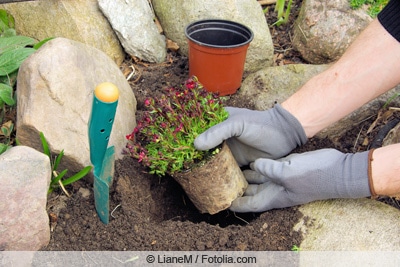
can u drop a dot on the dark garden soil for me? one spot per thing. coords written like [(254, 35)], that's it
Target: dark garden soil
[(152, 213)]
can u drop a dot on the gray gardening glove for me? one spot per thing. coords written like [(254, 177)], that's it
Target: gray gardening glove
[(251, 134), (302, 178)]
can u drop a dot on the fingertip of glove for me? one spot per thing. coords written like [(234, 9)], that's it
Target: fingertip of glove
[(207, 140), (235, 206), (260, 162), (202, 143), (199, 144), (245, 204), (265, 166)]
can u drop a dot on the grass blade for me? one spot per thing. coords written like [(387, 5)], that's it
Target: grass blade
[(58, 159), (45, 145), (77, 176), (55, 180)]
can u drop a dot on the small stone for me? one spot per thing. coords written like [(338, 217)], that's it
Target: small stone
[(264, 226), (84, 192)]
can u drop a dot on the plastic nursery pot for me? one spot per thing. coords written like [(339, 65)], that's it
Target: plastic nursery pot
[(217, 53), (213, 185)]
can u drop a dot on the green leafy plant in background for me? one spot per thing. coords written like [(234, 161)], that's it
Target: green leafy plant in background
[(283, 15), (14, 49), (7, 24), (56, 178), (6, 130), (374, 6)]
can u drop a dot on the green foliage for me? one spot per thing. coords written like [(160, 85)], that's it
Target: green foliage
[(374, 6), (295, 248), (6, 131), (42, 42), (163, 138), (7, 24), (56, 178), (282, 14), (14, 49), (6, 95)]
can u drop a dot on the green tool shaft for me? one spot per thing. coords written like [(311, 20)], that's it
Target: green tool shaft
[(100, 125)]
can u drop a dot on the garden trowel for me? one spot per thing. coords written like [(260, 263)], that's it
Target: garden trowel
[(105, 101)]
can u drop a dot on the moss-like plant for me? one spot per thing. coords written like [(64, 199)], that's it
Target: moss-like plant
[(374, 6), (163, 138)]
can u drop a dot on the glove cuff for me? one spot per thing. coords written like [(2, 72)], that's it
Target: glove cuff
[(370, 181), (298, 135)]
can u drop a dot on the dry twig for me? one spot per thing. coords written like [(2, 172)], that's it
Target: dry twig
[(266, 2), (63, 188)]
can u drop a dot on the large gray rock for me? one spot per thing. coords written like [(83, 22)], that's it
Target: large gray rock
[(81, 21), (324, 29), (349, 225), (24, 178), (54, 96), (133, 22), (275, 84), (174, 16)]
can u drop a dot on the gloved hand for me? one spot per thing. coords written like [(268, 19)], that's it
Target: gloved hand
[(251, 134), (302, 178)]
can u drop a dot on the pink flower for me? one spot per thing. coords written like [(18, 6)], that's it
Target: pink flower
[(156, 138), (190, 83), (179, 128), (129, 136), (142, 156)]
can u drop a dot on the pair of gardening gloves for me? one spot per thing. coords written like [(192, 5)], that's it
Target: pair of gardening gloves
[(263, 139)]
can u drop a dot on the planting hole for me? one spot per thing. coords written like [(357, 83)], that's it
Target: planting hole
[(182, 209)]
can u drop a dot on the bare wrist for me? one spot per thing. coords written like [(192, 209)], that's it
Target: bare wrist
[(385, 170)]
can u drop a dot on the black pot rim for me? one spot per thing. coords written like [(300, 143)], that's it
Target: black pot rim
[(220, 24)]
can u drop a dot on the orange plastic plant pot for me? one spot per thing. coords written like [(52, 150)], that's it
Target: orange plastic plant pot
[(217, 53)]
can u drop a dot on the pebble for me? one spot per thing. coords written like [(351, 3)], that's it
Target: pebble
[(84, 192)]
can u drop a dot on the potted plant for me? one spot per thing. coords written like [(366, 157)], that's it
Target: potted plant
[(163, 142)]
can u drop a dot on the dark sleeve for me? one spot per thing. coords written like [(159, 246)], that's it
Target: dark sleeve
[(389, 17)]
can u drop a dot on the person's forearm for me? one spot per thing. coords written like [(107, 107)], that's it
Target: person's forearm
[(385, 168), (368, 68)]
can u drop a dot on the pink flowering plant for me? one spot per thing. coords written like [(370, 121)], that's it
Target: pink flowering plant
[(164, 136)]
